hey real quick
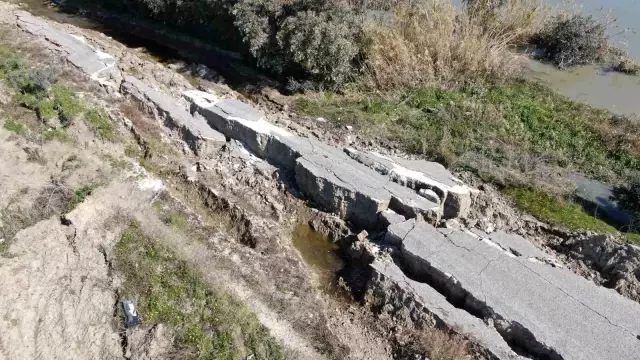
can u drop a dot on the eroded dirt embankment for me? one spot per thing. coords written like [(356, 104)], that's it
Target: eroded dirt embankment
[(225, 185)]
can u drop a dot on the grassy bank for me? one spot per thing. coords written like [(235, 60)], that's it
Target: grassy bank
[(563, 213), (516, 134), (207, 322), (518, 126)]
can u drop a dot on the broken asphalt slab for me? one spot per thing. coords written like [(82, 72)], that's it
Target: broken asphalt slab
[(325, 174), (200, 137), (90, 60), (391, 286), (546, 311), (455, 197)]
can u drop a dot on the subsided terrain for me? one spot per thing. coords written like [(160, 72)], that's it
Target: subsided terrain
[(123, 181)]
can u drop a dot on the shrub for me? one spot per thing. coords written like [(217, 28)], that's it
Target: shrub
[(626, 66), (301, 38), (14, 126), (66, 103), (100, 123), (574, 40), (321, 44), (32, 81), (432, 42), (520, 19)]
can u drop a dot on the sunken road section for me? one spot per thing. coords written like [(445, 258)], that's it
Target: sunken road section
[(498, 289)]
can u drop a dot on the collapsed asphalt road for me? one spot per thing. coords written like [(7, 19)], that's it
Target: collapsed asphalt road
[(499, 290)]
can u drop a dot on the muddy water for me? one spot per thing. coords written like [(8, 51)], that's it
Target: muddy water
[(595, 85), (318, 253)]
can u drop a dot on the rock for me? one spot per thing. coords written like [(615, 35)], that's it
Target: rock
[(363, 250), (362, 236), (201, 138), (543, 310), (388, 217), (189, 172)]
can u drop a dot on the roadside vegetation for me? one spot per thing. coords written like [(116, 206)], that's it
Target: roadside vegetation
[(520, 127), (563, 213), (207, 322), (56, 105), (40, 108)]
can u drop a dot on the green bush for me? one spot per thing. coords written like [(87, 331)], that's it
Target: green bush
[(100, 123), (322, 44), (31, 81), (576, 40), (304, 39), (66, 103)]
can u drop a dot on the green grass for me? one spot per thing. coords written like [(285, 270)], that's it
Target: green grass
[(46, 109), (632, 238), (564, 214), (208, 323), (100, 123), (49, 134), (15, 127), (561, 213), (79, 196), (507, 124), (66, 103)]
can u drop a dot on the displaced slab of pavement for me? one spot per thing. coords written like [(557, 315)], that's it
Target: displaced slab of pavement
[(391, 286), (547, 311), (90, 60), (327, 175), (200, 137)]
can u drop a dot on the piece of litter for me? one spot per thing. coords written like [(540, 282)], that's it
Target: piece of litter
[(132, 319)]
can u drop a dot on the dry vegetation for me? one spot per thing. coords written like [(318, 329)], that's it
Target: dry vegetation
[(431, 42)]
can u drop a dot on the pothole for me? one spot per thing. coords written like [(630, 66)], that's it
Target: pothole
[(319, 253)]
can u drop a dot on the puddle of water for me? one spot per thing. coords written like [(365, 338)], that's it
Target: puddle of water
[(593, 85), (318, 253)]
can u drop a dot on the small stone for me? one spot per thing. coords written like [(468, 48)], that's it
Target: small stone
[(321, 119), (349, 127), (362, 235)]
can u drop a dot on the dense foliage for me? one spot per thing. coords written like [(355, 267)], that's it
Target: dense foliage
[(575, 40), (304, 39)]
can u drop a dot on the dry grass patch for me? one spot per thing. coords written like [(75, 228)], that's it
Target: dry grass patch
[(434, 344), (432, 41)]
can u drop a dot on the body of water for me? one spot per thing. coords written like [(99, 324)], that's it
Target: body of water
[(596, 85)]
